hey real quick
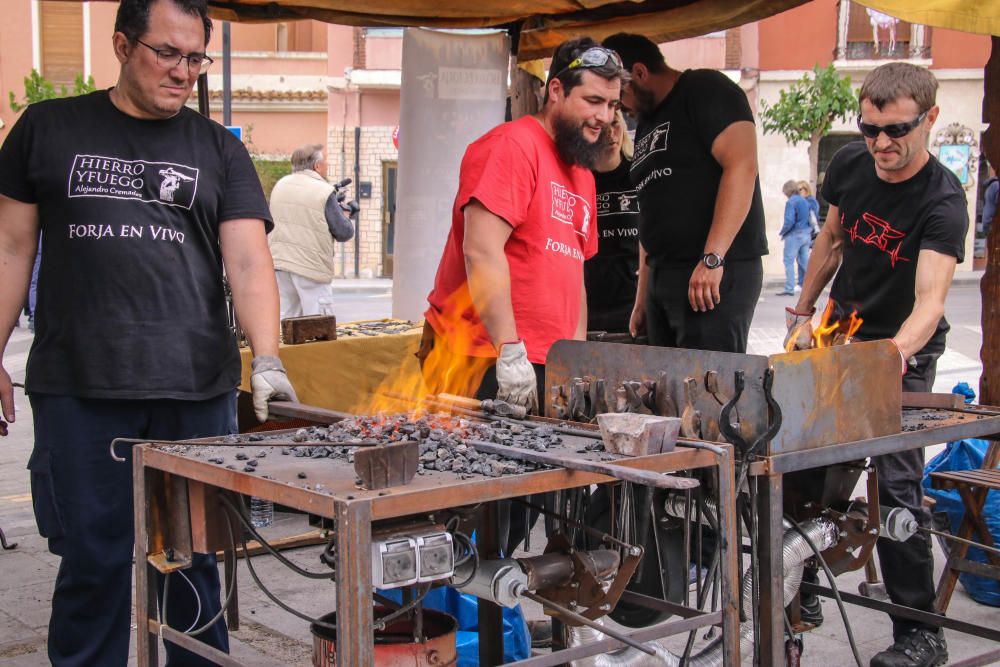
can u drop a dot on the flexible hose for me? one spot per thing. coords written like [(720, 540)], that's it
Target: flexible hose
[(795, 550)]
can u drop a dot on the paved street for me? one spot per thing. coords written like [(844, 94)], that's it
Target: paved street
[(27, 573)]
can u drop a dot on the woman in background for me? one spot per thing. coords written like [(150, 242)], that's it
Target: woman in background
[(611, 276)]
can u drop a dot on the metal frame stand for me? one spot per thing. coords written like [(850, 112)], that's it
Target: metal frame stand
[(770, 469), (167, 484)]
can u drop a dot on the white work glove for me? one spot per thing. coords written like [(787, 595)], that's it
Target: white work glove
[(799, 325), (516, 377), (268, 381)]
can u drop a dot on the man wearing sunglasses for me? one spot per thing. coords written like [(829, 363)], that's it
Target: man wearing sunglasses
[(142, 202), (895, 231)]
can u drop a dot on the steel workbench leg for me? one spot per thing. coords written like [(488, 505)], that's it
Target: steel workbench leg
[(145, 590), (490, 615), (355, 635), (730, 548), (769, 555)]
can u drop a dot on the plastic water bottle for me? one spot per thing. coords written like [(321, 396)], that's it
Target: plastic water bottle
[(261, 512)]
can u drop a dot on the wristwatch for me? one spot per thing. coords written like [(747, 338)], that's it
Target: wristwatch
[(712, 260)]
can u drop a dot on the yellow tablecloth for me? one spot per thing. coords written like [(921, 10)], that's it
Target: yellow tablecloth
[(341, 374)]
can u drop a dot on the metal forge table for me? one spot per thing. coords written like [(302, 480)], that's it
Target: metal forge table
[(795, 412), (176, 513)]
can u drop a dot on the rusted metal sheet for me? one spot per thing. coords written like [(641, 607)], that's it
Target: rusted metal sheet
[(387, 466), (836, 394), (827, 396), (667, 369)]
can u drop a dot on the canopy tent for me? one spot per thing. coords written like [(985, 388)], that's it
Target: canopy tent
[(543, 24), (539, 25)]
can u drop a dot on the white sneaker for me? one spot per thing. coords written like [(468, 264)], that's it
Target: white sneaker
[(798, 288)]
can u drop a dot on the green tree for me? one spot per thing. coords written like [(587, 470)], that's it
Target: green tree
[(808, 108), (38, 88)]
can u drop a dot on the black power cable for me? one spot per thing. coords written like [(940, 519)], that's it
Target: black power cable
[(271, 550)]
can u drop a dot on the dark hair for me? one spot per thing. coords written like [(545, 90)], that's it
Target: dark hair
[(569, 51), (132, 19), (894, 81), (636, 49)]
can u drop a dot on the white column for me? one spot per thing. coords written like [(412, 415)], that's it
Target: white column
[(86, 41), (36, 37)]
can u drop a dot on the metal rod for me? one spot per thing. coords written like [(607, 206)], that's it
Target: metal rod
[(637, 476), (227, 74), (569, 613), (603, 646), (603, 537), (949, 536), (196, 646), (927, 617)]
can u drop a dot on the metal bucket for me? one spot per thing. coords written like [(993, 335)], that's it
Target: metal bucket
[(394, 645)]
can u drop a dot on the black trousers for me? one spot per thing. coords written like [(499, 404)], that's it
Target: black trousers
[(908, 567), (83, 505), (671, 322), (514, 521)]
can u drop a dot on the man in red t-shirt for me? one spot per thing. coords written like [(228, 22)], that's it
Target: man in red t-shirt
[(510, 281)]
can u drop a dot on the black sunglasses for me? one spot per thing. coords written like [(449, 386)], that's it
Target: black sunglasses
[(893, 131), (593, 58)]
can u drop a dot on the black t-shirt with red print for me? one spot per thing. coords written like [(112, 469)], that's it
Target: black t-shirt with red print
[(886, 225)]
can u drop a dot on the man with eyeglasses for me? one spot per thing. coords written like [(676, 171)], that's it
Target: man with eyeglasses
[(142, 202), (895, 231), (701, 226)]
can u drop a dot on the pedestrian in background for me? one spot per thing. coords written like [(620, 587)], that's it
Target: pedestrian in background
[(796, 232), (307, 220), (806, 191)]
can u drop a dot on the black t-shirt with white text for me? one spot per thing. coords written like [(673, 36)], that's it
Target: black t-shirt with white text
[(886, 225), (611, 275), (130, 296), (678, 178)]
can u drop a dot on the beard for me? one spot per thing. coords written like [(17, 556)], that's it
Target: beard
[(573, 146), (644, 101)]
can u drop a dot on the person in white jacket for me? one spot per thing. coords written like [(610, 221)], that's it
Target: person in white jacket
[(307, 220)]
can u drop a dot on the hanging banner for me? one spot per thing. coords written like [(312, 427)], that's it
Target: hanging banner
[(454, 89)]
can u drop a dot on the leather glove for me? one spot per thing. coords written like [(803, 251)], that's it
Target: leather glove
[(516, 377), (799, 325), (268, 381)]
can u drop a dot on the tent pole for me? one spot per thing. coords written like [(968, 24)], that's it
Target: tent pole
[(989, 382)]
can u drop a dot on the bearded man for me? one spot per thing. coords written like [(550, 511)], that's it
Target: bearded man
[(510, 282)]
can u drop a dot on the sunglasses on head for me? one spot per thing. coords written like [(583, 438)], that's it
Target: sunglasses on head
[(893, 131), (593, 58)]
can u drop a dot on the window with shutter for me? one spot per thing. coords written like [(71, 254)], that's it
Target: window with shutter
[(61, 40)]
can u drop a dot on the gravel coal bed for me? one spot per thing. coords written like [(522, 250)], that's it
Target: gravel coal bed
[(443, 443)]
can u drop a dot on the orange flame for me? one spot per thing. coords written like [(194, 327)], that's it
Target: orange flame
[(449, 368), (838, 331)]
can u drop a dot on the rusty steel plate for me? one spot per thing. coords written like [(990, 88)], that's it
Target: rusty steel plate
[(827, 396), (836, 394), (616, 363)]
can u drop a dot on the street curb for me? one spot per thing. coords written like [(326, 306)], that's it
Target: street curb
[(961, 278), (771, 282)]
